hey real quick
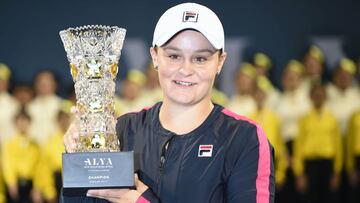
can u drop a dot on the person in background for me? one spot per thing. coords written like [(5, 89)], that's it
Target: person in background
[(314, 68), (152, 91), (24, 94), (9, 105), (270, 122), (49, 178), (353, 156), (132, 89), (243, 102), (44, 107), (19, 161), (293, 104), (318, 151), (343, 93), (219, 97), (263, 64)]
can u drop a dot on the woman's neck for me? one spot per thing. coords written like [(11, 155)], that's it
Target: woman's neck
[(182, 119)]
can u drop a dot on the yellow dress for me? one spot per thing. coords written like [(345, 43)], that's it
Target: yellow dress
[(271, 125), (51, 162), (319, 138), (20, 158), (2, 187), (353, 141)]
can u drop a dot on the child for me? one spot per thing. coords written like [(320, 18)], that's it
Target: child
[(318, 150), (9, 105), (19, 162), (353, 156), (44, 107), (49, 178), (242, 102), (271, 124)]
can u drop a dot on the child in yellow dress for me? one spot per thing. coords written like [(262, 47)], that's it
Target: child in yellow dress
[(271, 125), (19, 162), (318, 150)]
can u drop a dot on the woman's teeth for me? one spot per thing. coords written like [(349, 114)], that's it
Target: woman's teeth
[(183, 83)]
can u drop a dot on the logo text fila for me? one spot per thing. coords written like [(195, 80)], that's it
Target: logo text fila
[(190, 16), (205, 150)]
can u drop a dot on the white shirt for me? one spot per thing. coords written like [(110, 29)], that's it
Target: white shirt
[(343, 103), (242, 104), (9, 107), (43, 111), (291, 107)]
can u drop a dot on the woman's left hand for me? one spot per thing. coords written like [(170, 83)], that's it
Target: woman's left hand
[(120, 195)]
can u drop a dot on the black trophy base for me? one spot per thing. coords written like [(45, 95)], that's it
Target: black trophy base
[(96, 170)]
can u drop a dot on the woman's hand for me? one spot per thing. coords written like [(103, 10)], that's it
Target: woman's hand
[(72, 134), (120, 195)]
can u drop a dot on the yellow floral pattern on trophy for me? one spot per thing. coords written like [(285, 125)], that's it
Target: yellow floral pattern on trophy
[(73, 70)]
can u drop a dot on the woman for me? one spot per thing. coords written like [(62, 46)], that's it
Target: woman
[(191, 150)]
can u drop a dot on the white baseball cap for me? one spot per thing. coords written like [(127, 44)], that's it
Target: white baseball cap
[(189, 16)]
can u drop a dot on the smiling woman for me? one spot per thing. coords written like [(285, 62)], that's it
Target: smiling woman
[(191, 150), (187, 67)]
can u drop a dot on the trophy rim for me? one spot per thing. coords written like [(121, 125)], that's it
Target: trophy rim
[(87, 27)]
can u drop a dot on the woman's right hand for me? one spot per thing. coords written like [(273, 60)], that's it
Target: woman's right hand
[(71, 136)]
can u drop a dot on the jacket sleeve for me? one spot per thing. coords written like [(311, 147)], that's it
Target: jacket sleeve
[(148, 197), (252, 177)]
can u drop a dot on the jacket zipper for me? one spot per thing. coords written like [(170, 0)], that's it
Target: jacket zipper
[(162, 163)]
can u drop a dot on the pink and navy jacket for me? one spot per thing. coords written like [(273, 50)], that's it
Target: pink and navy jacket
[(226, 159)]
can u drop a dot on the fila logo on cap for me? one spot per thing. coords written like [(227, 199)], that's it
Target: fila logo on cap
[(190, 16), (205, 150)]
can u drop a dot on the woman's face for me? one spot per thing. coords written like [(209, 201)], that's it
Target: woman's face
[(187, 67)]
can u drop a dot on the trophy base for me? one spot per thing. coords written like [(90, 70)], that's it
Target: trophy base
[(97, 170)]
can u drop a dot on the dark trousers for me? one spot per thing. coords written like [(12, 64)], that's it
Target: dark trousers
[(24, 188), (58, 183), (288, 192), (319, 173), (354, 191)]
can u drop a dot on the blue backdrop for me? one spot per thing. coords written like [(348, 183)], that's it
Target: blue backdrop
[(29, 39)]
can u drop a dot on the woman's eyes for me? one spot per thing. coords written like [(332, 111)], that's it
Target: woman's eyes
[(200, 59), (174, 56), (195, 59)]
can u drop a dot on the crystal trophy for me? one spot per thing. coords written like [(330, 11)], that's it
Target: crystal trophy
[(93, 52)]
